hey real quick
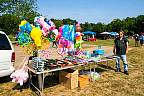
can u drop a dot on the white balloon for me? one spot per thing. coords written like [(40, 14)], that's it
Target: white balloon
[(55, 31)]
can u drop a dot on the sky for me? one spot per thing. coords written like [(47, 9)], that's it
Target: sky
[(92, 11)]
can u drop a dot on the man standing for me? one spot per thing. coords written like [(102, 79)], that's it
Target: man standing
[(136, 40), (120, 50), (141, 37)]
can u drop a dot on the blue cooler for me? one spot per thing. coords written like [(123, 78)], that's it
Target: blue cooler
[(99, 51)]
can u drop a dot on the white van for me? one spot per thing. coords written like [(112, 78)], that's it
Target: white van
[(7, 55)]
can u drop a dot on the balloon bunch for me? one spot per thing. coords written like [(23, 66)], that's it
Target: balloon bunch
[(23, 38), (23, 35), (66, 39), (64, 46), (44, 28), (30, 33), (44, 24)]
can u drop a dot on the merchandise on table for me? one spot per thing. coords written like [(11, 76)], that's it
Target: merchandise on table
[(75, 60), (38, 64), (99, 51), (55, 63)]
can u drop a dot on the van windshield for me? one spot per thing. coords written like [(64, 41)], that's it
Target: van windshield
[(4, 43)]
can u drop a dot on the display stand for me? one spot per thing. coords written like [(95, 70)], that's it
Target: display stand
[(41, 75)]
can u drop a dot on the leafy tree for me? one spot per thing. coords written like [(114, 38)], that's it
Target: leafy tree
[(12, 10), (57, 23), (100, 27), (9, 23), (140, 23), (19, 7), (87, 26), (108, 27), (117, 25), (129, 25), (69, 21)]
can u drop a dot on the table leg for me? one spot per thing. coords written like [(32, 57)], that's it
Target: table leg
[(30, 77), (41, 83), (90, 73), (107, 63), (94, 66)]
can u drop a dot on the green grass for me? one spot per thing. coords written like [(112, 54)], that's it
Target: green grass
[(108, 42), (11, 37)]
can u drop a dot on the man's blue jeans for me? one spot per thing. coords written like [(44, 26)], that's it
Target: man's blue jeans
[(124, 60)]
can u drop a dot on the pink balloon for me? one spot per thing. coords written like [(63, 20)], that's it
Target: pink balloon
[(45, 26)]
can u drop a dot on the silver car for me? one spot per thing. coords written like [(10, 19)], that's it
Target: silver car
[(7, 55)]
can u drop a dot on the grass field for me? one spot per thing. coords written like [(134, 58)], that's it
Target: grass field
[(109, 84), (108, 42)]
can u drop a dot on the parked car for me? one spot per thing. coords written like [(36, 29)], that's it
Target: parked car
[(7, 55)]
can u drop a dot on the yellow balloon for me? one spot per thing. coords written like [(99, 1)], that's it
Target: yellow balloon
[(36, 34), (23, 22)]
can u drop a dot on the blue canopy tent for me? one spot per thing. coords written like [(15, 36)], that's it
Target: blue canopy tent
[(113, 33), (89, 35)]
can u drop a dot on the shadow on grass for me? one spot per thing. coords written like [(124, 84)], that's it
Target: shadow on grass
[(106, 67), (49, 81), (20, 88), (5, 79), (86, 71)]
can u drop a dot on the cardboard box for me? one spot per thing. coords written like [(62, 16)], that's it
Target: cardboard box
[(69, 78), (83, 81)]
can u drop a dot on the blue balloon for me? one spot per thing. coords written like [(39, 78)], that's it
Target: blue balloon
[(28, 27), (71, 33), (23, 38), (22, 29), (65, 31)]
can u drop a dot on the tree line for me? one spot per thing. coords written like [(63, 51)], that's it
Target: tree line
[(13, 11)]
